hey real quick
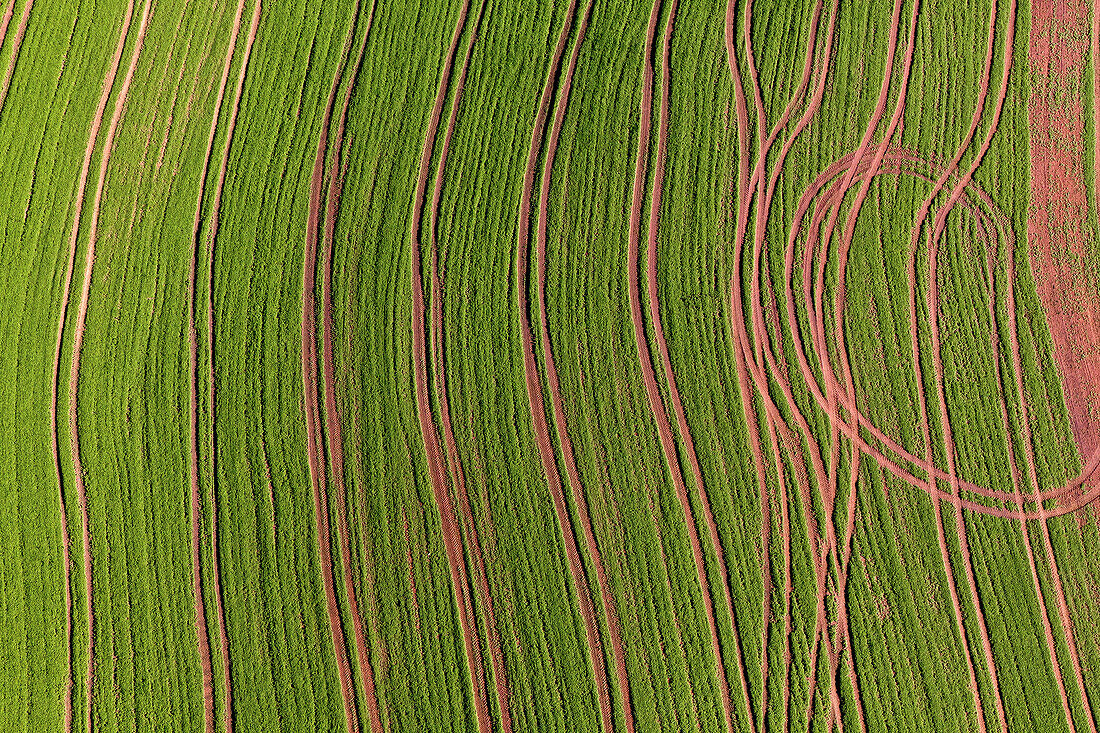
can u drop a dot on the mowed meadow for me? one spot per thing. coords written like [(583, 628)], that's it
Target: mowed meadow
[(589, 365)]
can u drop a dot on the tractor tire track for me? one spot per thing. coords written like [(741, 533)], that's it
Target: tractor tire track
[(738, 321), (315, 429), (656, 403), (932, 305), (451, 533), (1059, 592), (454, 462), (201, 630), (16, 44), (333, 422), (535, 396), (1015, 474), (78, 478), (219, 603)]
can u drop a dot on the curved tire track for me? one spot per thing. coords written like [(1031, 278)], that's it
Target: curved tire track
[(78, 337), (656, 403), (315, 428), (201, 630), (452, 539), (535, 396)]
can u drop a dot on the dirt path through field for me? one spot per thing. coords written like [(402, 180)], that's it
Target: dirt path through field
[(454, 462), (78, 335), (436, 466), (1057, 226), (535, 395), (334, 433), (201, 630), (653, 393), (315, 427)]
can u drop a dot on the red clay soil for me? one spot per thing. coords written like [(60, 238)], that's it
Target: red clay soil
[(746, 352), (1015, 473), (227, 681), (653, 393), (314, 428), (1057, 224), (457, 473), (82, 313), (334, 434), (201, 631), (451, 535), (538, 406), (17, 42)]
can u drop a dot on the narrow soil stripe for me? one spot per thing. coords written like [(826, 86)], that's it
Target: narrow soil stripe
[(333, 423), (452, 539), (535, 396), (656, 403), (310, 368), (201, 632)]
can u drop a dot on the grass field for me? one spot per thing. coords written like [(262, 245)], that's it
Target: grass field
[(598, 365)]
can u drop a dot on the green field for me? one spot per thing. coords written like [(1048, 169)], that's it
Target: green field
[(398, 526)]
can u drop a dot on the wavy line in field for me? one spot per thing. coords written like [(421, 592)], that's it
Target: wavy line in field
[(16, 45), (829, 497), (932, 305), (201, 632), (841, 568), (745, 357), (454, 462), (315, 429), (452, 539), (78, 478), (535, 396), (1015, 474), (333, 433), (219, 606), (656, 403)]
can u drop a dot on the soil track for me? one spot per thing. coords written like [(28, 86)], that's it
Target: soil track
[(454, 462), (315, 430), (743, 348), (653, 393), (1057, 224), (1015, 474), (1057, 240), (78, 338), (333, 423), (16, 44), (201, 631), (534, 388), (452, 539)]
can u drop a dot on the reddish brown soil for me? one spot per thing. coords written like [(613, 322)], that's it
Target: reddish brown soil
[(315, 431), (537, 403), (1057, 225), (457, 473), (451, 536), (201, 631), (82, 313), (334, 434)]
